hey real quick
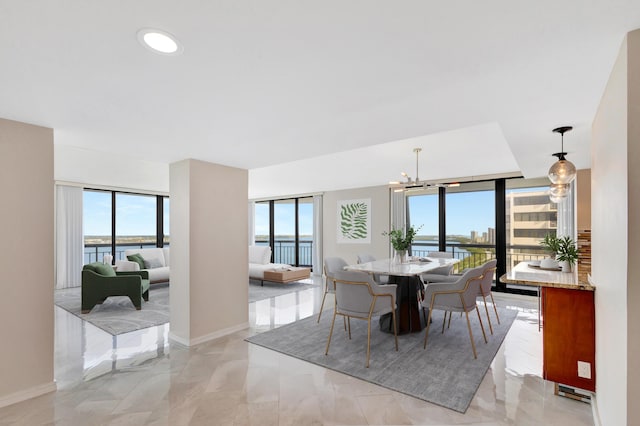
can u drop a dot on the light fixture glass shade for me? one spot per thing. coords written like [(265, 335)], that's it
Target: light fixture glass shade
[(555, 199), (559, 189), (562, 172)]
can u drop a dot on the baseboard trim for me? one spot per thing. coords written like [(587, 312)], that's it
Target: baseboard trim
[(594, 411), (207, 337), (26, 394)]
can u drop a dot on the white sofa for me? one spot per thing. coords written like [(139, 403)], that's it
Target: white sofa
[(157, 260), (260, 261)]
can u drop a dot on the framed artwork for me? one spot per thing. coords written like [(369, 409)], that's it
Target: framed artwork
[(354, 221)]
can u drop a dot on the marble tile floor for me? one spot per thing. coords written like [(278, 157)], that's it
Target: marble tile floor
[(141, 379)]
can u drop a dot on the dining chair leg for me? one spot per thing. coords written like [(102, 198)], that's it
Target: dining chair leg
[(326, 352), (322, 305), (484, 299), (473, 345), (494, 307), (395, 329), (481, 326), (444, 321), (368, 340), (449, 324), (426, 333), (349, 326)]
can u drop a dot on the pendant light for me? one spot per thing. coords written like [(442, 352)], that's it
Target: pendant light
[(563, 171)]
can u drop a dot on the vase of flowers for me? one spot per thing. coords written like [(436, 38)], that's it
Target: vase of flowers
[(401, 241)]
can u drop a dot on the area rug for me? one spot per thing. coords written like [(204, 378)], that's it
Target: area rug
[(445, 373), (117, 315), (259, 292)]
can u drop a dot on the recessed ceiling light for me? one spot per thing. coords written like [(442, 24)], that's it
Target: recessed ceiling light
[(159, 41)]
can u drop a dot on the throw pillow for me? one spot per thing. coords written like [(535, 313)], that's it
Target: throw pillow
[(101, 269), (137, 258), (153, 263)]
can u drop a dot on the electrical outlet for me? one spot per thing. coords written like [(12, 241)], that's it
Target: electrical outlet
[(584, 369)]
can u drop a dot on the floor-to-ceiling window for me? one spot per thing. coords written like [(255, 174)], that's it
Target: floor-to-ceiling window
[(422, 212), (471, 223), (96, 220), (115, 221), (287, 226), (135, 221), (477, 221), (529, 217)]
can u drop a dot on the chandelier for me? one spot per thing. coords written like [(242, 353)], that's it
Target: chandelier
[(416, 183)]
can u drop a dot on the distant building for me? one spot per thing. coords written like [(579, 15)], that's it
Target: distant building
[(491, 236), (530, 217), (474, 236)]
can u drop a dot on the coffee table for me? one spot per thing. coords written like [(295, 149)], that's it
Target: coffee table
[(287, 275)]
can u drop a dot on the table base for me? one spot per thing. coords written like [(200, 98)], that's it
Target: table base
[(409, 316)]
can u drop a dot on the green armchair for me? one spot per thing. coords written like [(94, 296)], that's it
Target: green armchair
[(100, 281)]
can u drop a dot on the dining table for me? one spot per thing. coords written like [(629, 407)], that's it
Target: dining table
[(406, 276)]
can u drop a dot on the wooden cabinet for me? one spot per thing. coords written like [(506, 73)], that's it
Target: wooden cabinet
[(568, 336)]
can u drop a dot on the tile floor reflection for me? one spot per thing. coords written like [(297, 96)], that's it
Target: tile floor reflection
[(141, 379)]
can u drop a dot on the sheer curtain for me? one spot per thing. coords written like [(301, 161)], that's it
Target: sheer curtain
[(566, 214), (398, 211), (69, 238), (317, 235), (252, 222)]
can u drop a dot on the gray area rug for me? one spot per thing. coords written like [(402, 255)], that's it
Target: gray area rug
[(258, 292), (445, 373), (117, 315)]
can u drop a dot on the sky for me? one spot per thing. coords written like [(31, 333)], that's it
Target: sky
[(285, 218), (135, 214), (466, 212)]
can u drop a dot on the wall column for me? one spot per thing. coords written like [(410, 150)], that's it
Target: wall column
[(209, 251), (26, 261)]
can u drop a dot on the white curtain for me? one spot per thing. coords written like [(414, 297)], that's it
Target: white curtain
[(567, 214), (317, 235), (69, 238), (252, 222), (398, 210)]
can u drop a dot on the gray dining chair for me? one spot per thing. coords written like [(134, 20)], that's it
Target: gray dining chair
[(358, 296), (459, 296), (331, 266), (437, 274), (366, 258), (484, 290)]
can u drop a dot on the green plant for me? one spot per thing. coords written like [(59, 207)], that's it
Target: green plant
[(567, 250), (551, 243), (401, 240)]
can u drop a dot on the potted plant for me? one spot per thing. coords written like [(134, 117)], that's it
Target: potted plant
[(551, 243), (401, 241), (567, 253)]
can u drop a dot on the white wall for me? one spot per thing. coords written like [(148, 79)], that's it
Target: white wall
[(209, 251), (109, 169), (379, 246), (615, 218), (26, 261)]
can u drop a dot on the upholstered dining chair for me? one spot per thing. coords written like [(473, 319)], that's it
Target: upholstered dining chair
[(458, 296), (365, 258), (435, 275), (358, 296), (331, 266), (484, 290)]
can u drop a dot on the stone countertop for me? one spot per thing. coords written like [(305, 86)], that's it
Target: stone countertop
[(524, 274)]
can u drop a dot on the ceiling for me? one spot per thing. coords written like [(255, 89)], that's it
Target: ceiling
[(314, 96)]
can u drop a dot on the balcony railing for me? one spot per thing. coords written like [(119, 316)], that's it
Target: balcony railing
[(96, 252), (284, 251), (472, 255)]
